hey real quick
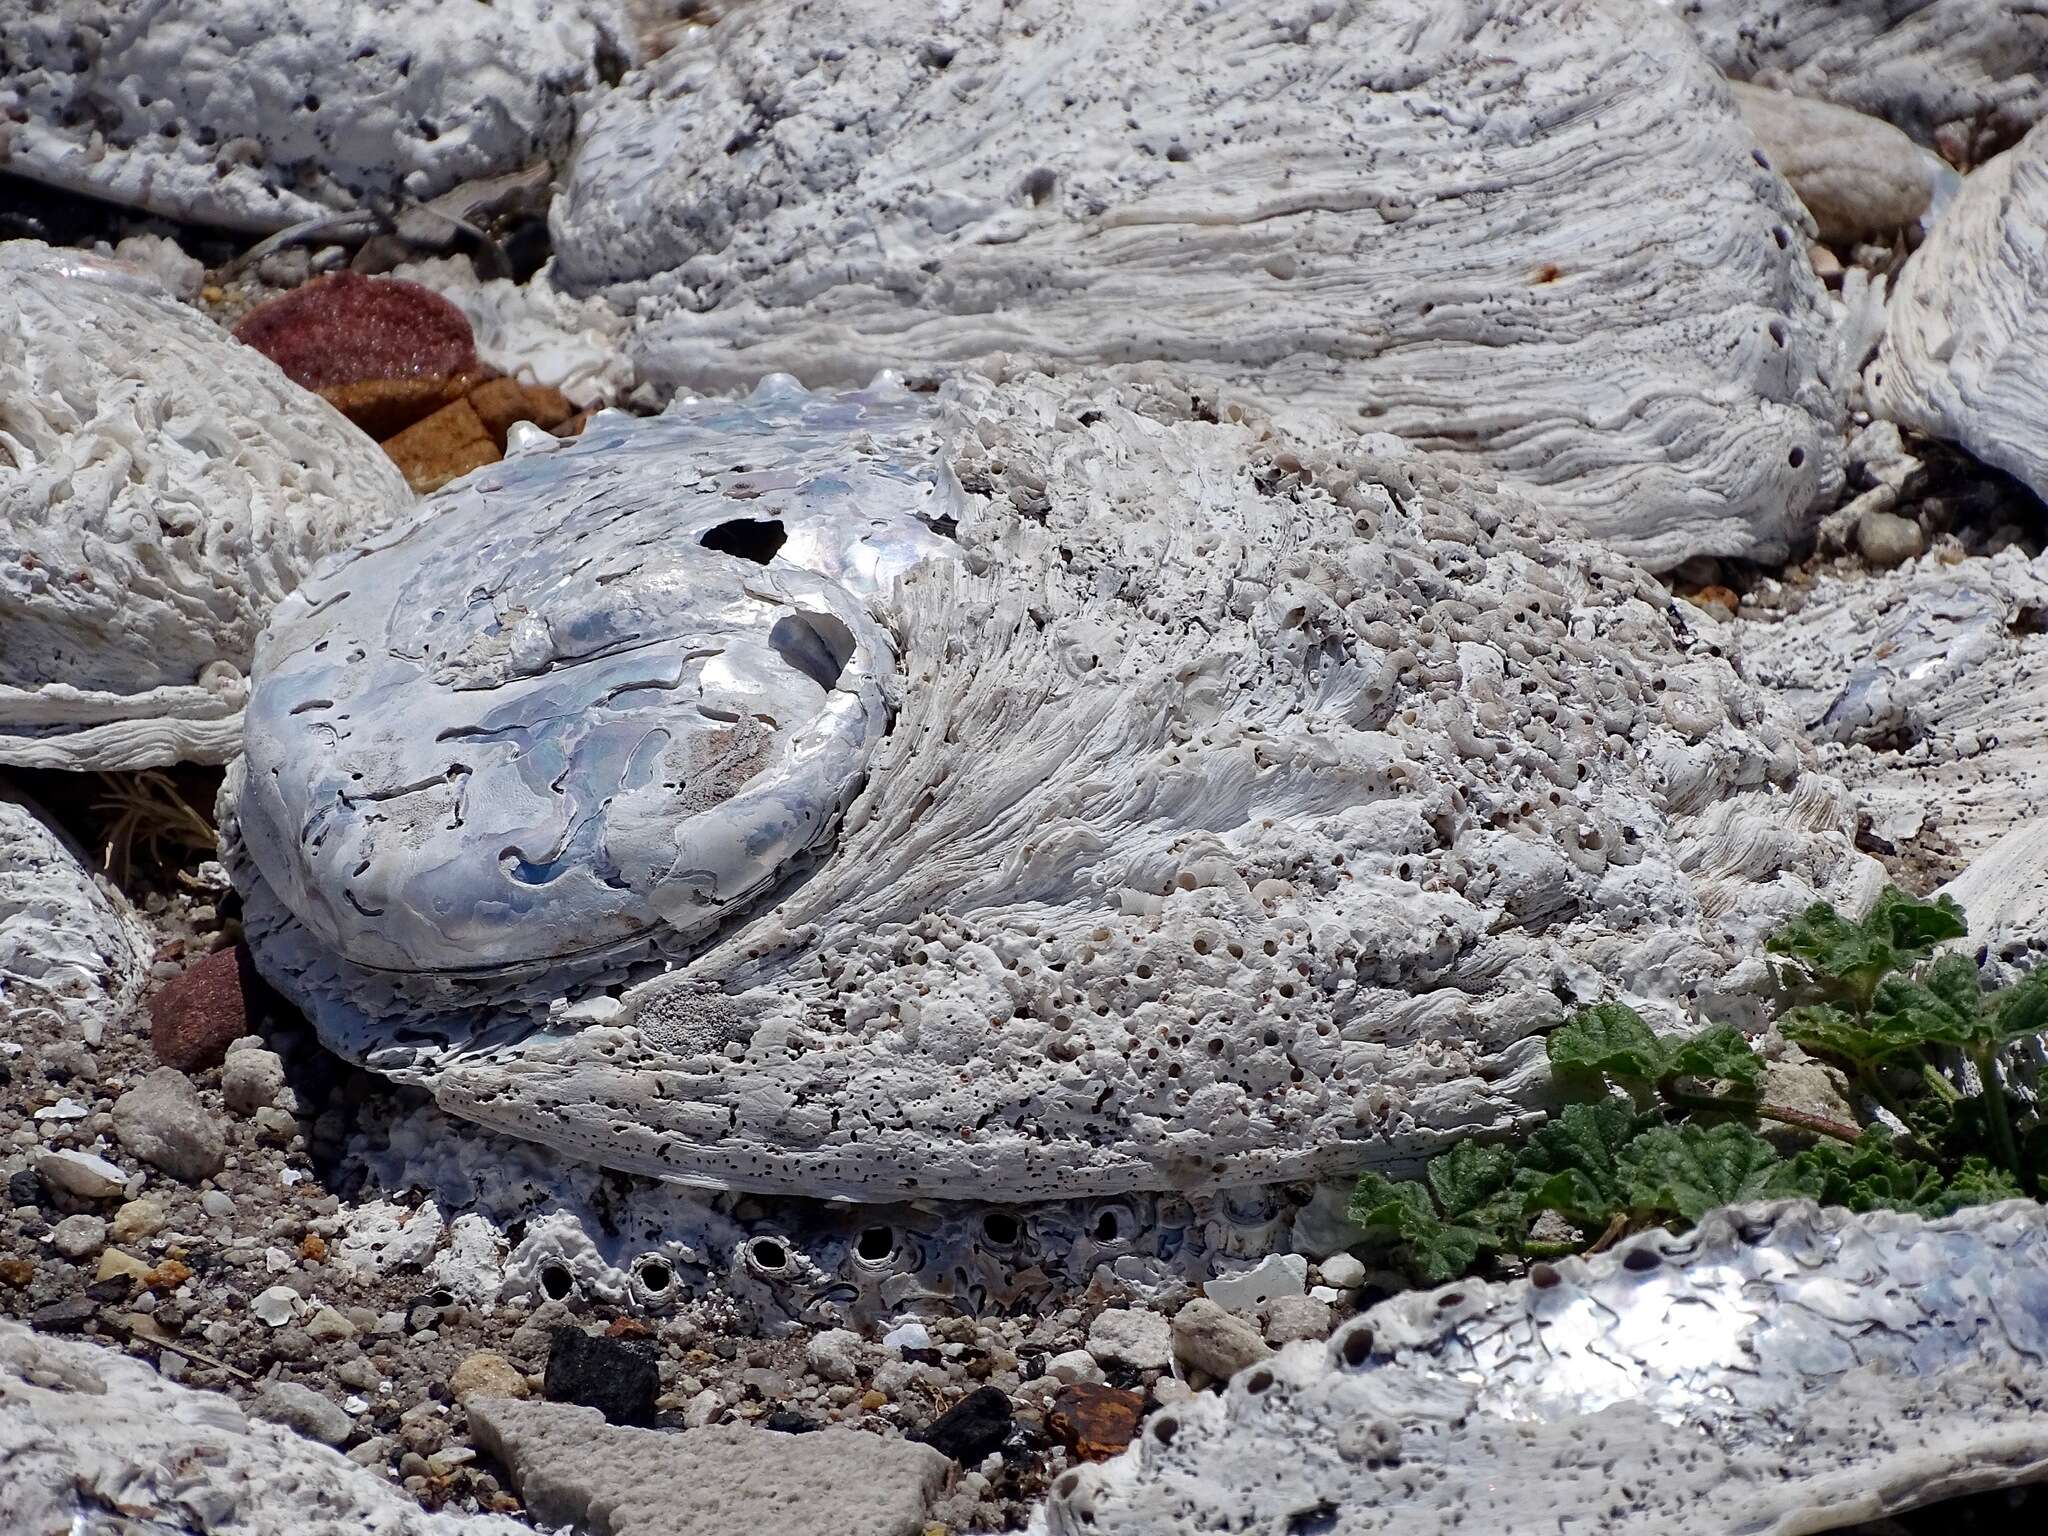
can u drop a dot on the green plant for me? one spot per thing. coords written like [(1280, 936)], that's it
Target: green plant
[(1665, 1129)]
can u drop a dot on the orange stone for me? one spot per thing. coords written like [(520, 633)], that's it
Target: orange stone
[(1096, 1422), (449, 443), (313, 1247), (382, 407)]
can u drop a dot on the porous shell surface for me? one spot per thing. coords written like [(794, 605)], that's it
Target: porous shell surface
[(86, 1430), (1250, 804), (1965, 350), (1920, 64), (1779, 1368), (258, 114), (161, 486), (70, 947), (1536, 237)]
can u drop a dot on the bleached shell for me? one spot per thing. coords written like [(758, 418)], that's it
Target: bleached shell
[(1965, 350), (161, 486), (70, 948), (1250, 803), (1921, 64), (1779, 1368), (1532, 236), (85, 1432), (1927, 689), (258, 114)]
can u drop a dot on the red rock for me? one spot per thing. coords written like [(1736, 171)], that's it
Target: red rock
[(1096, 1422), (196, 1015), (383, 351)]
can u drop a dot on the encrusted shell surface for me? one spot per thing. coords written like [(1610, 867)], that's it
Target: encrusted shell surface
[(1535, 237), (1779, 1368), (161, 486), (257, 114), (1922, 64), (70, 948), (1250, 803), (1965, 351)]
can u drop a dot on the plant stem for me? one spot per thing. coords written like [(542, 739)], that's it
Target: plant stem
[(1818, 1124), (1944, 1090), (1986, 1057)]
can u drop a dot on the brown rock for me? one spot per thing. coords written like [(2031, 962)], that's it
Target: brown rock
[(167, 1276), (1096, 1422), (313, 1248), (574, 426), (503, 401), (16, 1272), (448, 444), (487, 1374), (213, 1002), (382, 407), (348, 330)]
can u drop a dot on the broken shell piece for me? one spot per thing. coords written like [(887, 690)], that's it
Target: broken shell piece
[(161, 486), (1601, 291), (259, 116), (1778, 1368), (1965, 351), (276, 1306), (1198, 714), (70, 947)]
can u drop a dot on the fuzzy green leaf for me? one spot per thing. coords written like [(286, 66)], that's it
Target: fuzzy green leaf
[(1401, 1216), (1979, 1182), (1910, 926), (1687, 1170), (1869, 1175), (1840, 960), (1469, 1175), (1832, 1032), (1608, 1039), (1584, 1143), (1720, 1053)]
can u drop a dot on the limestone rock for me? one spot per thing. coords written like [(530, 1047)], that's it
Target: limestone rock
[(486, 1373), (1858, 176), (162, 1122), (83, 1427), (1602, 291), (301, 1408), (1196, 709), (1133, 1335), (163, 487), (251, 1078), (79, 1237), (1835, 1369), (572, 1468), (1965, 350), (307, 107), (81, 1174), (1213, 1340), (1925, 65), (72, 951)]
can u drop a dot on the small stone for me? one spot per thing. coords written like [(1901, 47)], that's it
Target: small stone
[(1074, 1365), (1344, 1271), (972, 1428), (1213, 1340), (907, 1337), (1095, 1422), (787, 1421), (250, 1078), (19, 1273), (116, 1264), (1169, 1390), (217, 1203), (137, 1221), (276, 1306), (1137, 1338), (1296, 1317), (834, 1355), (25, 1187), (619, 1379), (162, 1122), (69, 1315), (168, 1276), (303, 1409), (329, 1326), (79, 1237), (872, 1401), (444, 446), (487, 1374), (1276, 1275), (82, 1175), (1886, 539), (194, 1019), (703, 1409)]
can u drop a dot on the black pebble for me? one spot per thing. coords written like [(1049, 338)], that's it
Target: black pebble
[(616, 1378), (971, 1428), (788, 1421), (66, 1316), (24, 1188)]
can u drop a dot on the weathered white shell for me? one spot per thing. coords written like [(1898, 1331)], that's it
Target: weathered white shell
[(257, 114), (1965, 351), (1533, 236), (1921, 64), (71, 950), (1779, 1368), (1251, 802), (85, 1430), (161, 486)]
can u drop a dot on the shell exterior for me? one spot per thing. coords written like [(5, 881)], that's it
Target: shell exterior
[(161, 486), (1921, 64), (260, 115), (1536, 237), (85, 1429), (1966, 333), (1778, 1368), (69, 947), (1251, 801)]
